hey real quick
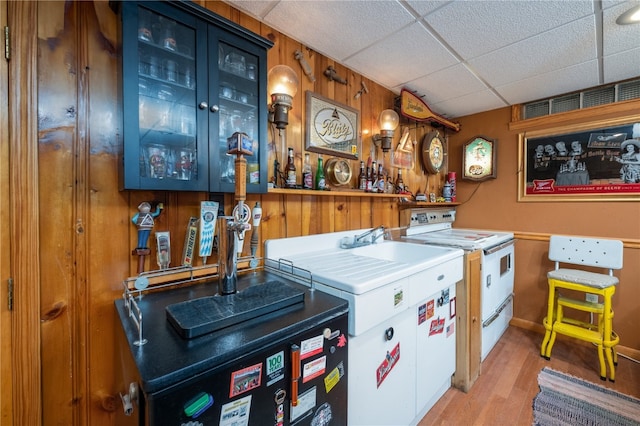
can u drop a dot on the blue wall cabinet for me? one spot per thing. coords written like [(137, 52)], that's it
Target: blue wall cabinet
[(190, 79)]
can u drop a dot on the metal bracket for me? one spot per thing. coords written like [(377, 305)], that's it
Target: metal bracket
[(7, 43), (305, 65), (332, 75)]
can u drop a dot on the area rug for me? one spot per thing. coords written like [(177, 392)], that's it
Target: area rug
[(566, 400)]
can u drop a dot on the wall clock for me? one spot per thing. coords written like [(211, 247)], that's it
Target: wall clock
[(338, 171), (432, 151), (479, 159)]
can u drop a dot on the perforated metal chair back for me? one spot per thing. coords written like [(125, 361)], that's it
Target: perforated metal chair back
[(596, 252)]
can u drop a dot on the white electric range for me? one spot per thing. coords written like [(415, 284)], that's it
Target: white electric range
[(434, 227)]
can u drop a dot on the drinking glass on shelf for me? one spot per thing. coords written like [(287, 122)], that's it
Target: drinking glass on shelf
[(227, 90), (157, 160), (234, 62), (171, 71), (188, 77), (154, 68), (184, 164), (144, 26)]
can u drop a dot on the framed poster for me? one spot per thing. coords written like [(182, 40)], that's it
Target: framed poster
[(332, 128), (590, 162), (479, 159)]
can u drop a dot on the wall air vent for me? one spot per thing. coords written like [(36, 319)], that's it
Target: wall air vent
[(589, 98)]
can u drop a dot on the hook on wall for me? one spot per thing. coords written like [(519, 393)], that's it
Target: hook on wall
[(306, 68), (332, 75), (364, 89)]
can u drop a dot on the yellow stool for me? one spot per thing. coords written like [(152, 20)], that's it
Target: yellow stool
[(599, 253)]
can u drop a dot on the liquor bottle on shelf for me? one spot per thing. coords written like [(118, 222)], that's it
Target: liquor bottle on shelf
[(399, 183), (320, 181), (307, 176), (362, 177), (374, 177), (290, 171), (382, 186)]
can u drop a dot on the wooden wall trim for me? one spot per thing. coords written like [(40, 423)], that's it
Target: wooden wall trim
[(6, 349), (537, 236), (24, 209)]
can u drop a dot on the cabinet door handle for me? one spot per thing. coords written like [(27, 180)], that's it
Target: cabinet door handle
[(215, 108), (203, 105)]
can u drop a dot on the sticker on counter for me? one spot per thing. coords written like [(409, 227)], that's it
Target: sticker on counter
[(198, 405), (323, 415), (330, 335), (311, 347), (444, 297), (342, 341), (275, 368), (422, 313), (306, 402), (450, 329), (437, 326), (236, 413), (390, 360), (452, 308), (246, 379), (398, 297), (431, 308), (314, 369), (332, 379)]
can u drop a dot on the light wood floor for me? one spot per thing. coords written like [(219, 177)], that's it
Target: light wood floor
[(504, 392)]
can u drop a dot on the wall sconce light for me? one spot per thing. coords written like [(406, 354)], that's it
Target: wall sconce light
[(282, 85), (388, 122)]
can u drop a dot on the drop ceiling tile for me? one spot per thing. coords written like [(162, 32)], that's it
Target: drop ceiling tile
[(553, 83), (474, 28), (562, 47), (622, 66), (255, 8), (452, 82), (389, 62), (338, 29), (618, 38), (469, 104), (425, 7)]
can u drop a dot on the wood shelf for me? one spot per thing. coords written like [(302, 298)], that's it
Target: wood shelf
[(413, 204), (333, 192)]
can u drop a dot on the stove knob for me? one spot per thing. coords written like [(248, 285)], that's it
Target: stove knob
[(388, 333)]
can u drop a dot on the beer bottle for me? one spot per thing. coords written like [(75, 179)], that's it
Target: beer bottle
[(399, 182), (307, 176), (320, 182), (381, 179), (290, 171), (374, 177), (362, 177)]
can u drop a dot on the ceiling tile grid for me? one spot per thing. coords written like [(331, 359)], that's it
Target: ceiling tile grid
[(466, 56)]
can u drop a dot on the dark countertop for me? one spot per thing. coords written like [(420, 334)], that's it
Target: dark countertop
[(167, 358)]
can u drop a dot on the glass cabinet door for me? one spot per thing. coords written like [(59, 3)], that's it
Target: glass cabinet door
[(169, 153), (239, 99), (190, 82)]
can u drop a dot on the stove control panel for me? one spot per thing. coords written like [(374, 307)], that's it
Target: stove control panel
[(427, 216)]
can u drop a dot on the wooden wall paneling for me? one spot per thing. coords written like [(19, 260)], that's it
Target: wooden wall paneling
[(24, 208), (6, 349), (61, 171), (103, 210)]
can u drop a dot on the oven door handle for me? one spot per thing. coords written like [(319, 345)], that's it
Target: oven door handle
[(494, 249), (498, 311)]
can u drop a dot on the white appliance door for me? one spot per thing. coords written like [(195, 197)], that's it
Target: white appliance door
[(436, 346), (497, 278), (382, 372)]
